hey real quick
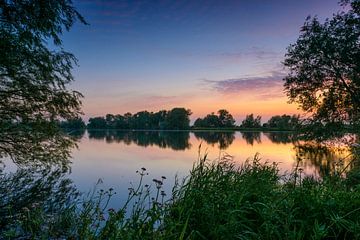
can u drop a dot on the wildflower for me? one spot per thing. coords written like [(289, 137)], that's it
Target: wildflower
[(26, 209), (35, 205)]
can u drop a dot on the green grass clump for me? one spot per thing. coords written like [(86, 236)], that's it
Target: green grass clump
[(222, 201), (219, 200)]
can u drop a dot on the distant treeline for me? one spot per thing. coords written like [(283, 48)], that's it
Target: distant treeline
[(179, 119), (175, 119)]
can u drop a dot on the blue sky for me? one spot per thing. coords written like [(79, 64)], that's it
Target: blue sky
[(202, 55)]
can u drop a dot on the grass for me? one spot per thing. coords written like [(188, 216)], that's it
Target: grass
[(218, 200)]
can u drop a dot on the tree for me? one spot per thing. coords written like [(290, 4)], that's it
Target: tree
[(211, 121), (199, 122), (226, 119), (223, 119), (251, 122), (97, 123), (142, 120), (72, 124), (34, 78), (324, 68), (178, 118), (283, 122)]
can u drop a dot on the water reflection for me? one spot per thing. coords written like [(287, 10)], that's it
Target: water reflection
[(326, 159), (115, 156), (46, 145), (319, 158), (33, 189), (223, 139), (176, 140), (281, 137), (37, 179), (180, 140), (252, 137)]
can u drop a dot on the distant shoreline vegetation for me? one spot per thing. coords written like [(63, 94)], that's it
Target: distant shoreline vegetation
[(179, 119)]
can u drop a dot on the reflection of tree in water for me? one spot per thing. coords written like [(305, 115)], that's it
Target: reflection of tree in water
[(38, 147), (33, 189), (39, 183), (280, 137), (326, 159), (77, 134), (251, 137), (176, 140), (224, 139)]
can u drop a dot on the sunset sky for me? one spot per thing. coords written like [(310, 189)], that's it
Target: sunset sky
[(202, 55)]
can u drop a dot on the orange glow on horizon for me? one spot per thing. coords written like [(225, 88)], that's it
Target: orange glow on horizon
[(200, 105)]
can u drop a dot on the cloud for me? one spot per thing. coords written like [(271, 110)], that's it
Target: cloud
[(265, 87), (256, 53), (157, 102)]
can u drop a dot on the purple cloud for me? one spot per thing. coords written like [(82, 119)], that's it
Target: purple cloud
[(253, 52), (267, 87)]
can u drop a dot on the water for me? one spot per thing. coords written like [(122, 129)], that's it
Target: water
[(114, 156)]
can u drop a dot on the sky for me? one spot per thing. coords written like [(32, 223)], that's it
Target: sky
[(201, 55)]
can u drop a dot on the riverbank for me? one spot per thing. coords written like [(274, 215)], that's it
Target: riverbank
[(218, 200)]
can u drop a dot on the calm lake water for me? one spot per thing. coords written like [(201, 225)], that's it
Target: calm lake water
[(115, 156)]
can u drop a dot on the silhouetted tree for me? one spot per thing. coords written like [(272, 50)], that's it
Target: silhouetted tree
[(75, 123), (209, 121), (251, 122), (324, 68), (226, 119), (97, 123), (178, 118), (34, 78), (142, 120), (283, 122), (159, 119), (223, 119)]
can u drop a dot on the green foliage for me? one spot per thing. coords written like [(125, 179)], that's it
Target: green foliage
[(283, 122), (73, 124), (175, 119), (97, 123), (33, 198), (223, 120), (324, 67), (226, 119), (178, 118), (251, 122), (34, 78), (218, 200)]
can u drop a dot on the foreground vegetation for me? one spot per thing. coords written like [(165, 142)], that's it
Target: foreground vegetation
[(218, 200)]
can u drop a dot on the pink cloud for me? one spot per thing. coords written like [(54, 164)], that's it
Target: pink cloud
[(267, 87)]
